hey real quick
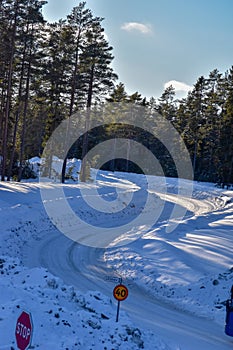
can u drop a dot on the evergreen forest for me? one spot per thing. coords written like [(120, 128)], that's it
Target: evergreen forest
[(50, 71)]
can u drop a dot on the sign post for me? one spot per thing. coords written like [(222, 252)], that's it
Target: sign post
[(23, 331), (120, 293)]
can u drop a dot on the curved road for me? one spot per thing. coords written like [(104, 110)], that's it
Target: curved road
[(84, 268)]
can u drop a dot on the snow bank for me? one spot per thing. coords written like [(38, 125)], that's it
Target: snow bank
[(189, 269), (72, 168), (62, 317)]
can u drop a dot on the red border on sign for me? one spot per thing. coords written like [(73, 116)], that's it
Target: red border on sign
[(124, 288), (24, 340)]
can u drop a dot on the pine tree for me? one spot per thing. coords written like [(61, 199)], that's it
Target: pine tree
[(119, 94), (78, 22), (195, 119), (11, 17), (28, 37), (98, 76), (209, 130), (166, 106), (18, 28), (226, 135), (167, 109)]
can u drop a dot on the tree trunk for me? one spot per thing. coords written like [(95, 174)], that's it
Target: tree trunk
[(17, 112), (22, 146), (9, 93), (72, 99), (83, 172)]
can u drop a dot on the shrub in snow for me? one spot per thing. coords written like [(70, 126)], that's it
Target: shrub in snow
[(52, 283), (28, 172)]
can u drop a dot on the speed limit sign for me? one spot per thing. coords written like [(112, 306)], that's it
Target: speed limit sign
[(120, 292)]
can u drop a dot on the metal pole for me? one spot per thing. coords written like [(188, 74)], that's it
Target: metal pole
[(118, 304), (118, 311)]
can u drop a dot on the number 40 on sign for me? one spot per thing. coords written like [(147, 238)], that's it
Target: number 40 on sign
[(120, 293)]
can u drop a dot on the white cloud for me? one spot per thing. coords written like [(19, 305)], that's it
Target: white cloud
[(132, 26), (178, 86)]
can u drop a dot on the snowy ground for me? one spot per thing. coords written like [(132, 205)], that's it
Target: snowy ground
[(178, 282)]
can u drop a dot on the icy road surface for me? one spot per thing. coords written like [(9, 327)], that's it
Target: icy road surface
[(201, 245)]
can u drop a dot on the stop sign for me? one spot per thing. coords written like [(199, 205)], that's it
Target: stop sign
[(23, 331)]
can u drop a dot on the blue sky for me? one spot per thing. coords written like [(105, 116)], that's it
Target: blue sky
[(161, 41)]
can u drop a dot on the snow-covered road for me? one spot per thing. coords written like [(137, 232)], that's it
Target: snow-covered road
[(200, 247), (86, 268), (178, 280)]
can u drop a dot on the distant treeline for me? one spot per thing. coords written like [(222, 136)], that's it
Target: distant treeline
[(49, 71)]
